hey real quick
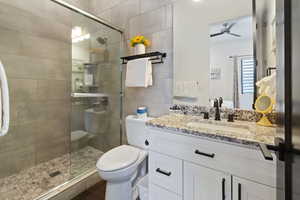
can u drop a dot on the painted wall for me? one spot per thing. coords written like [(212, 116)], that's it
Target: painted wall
[(219, 57)]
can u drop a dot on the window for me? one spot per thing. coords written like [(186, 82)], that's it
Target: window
[(247, 75)]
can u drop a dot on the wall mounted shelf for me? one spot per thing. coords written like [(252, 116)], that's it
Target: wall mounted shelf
[(88, 95), (156, 57)]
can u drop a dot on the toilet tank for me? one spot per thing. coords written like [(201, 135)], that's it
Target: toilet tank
[(136, 131)]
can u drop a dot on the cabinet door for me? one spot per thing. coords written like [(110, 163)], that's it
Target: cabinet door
[(159, 193), (165, 172), (201, 183), (248, 190)]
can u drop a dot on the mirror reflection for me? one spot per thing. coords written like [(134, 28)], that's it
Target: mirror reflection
[(218, 53), (232, 62)]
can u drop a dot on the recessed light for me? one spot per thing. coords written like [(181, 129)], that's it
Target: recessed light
[(197, 0)]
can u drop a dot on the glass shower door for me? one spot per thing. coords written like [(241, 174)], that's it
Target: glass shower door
[(96, 87)]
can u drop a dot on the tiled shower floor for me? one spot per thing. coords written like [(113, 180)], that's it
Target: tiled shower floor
[(35, 181)]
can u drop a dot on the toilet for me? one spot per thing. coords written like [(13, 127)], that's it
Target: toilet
[(121, 165)]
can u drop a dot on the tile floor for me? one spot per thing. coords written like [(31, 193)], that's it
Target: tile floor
[(33, 182)]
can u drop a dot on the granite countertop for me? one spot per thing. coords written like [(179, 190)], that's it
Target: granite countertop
[(242, 132)]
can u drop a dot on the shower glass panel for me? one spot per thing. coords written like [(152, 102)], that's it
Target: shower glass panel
[(96, 88), (64, 83)]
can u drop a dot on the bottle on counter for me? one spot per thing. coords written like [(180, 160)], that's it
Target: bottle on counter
[(142, 112)]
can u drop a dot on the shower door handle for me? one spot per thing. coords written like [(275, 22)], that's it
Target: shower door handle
[(4, 103)]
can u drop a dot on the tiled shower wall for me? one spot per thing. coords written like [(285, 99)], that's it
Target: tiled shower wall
[(35, 49), (152, 18)]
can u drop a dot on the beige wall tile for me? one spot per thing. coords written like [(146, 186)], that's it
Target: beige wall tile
[(147, 5), (45, 48), (99, 6), (10, 42), (34, 68), (17, 149), (53, 90), (35, 48), (22, 90)]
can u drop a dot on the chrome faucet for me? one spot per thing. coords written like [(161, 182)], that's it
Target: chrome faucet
[(217, 104)]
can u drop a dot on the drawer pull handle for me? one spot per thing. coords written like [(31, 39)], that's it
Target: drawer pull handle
[(205, 154), (223, 189), (239, 191), (163, 172)]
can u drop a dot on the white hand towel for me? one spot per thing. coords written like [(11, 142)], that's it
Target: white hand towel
[(149, 75), (1, 112), (139, 73)]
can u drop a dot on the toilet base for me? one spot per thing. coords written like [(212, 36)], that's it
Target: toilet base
[(119, 191)]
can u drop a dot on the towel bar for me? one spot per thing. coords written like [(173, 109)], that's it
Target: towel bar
[(154, 56)]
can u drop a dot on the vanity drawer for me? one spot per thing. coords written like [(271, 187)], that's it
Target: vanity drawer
[(230, 158), (166, 172)]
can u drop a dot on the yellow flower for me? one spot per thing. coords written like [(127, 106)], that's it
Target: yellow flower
[(139, 39), (146, 42)]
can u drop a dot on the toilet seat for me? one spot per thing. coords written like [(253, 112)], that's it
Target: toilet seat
[(118, 158)]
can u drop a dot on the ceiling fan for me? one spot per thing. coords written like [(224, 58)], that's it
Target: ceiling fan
[(226, 30)]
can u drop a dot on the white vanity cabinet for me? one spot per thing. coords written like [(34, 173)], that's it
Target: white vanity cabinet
[(184, 167), (204, 183), (249, 190), (166, 172)]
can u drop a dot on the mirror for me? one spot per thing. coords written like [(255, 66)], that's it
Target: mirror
[(232, 62), (218, 53)]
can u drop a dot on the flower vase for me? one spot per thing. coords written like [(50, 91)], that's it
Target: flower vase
[(139, 49)]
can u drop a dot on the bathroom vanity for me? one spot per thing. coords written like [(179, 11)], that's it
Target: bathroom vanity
[(218, 60), (195, 159)]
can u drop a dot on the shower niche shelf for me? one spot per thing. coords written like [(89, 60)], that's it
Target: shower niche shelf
[(89, 95), (155, 57)]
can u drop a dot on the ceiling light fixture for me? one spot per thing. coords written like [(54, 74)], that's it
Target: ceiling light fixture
[(76, 32), (81, 38), (78, 35)]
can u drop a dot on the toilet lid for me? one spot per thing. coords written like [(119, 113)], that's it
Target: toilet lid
[(118, 158)]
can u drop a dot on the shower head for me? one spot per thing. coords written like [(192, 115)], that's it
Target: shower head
[(102, 40)]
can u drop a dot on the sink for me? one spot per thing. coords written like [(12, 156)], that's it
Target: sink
[(220, 126)]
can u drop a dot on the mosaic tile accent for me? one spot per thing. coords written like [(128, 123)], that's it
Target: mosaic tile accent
[(242, 115), (180, 123), (35, 181)]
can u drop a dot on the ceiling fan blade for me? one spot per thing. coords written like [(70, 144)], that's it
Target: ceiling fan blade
[(216, 34), (236, 35), (230, 26)]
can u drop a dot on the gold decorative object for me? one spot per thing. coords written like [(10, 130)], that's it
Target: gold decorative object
[(264, 105)]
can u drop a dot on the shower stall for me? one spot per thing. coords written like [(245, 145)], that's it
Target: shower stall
[(65, 89)]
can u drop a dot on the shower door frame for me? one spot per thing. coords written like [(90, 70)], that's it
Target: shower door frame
[(89, 15)]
